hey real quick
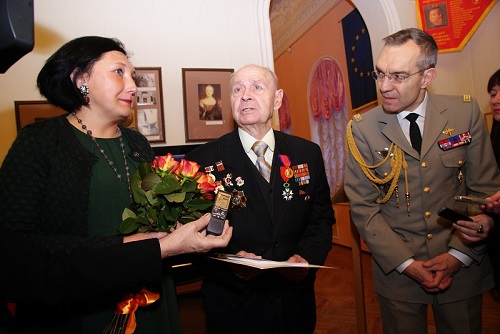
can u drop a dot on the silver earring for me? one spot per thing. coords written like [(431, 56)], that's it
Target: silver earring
[(85, 91)]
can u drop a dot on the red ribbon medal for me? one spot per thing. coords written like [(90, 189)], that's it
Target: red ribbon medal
[(286, 173)]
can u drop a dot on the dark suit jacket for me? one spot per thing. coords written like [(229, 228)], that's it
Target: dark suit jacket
[(272, 227)]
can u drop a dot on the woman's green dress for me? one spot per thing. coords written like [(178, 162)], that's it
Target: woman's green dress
[(108, 197)]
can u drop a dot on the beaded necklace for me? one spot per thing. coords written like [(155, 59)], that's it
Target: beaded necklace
[(108, 160)]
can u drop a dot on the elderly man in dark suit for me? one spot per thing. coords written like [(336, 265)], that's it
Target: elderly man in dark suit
[(409, 158), (281, 210)]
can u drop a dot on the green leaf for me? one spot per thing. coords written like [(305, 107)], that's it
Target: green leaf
[(164, 225), (199, 204), (141, 220), (190, 186), (150, 197), (149, 181), (153, 215), (128, 226), (145, 229), (127, 213), (176, 197), (173, 214), (139, 195), (136, 179), (168, 185), (143, 169)]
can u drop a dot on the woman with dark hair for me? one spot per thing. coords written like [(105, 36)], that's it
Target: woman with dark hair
[(66, 180), (494, 91), (494, 242)]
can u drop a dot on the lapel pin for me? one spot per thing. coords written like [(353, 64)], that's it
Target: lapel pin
[(220, 166), (448, 131)]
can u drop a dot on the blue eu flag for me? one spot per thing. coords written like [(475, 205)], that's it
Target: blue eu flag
[(358, 53)]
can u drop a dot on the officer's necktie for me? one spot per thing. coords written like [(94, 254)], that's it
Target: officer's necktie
[(415, 136)]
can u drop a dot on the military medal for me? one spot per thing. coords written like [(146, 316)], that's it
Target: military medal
[(239, 199), (220, 166), (227, 180), (301, 173), (239, 181), (286, 173), (455, 141)]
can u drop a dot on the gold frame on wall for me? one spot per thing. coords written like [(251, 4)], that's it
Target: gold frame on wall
[(194, 81), (148, 104), (33, 111)]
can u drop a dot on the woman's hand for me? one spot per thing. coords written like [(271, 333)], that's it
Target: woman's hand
[(494, 206), (193, 238), (476, 230)]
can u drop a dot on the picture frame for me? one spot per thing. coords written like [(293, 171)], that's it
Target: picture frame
[(207, 109), (148, 116), (33, 111)]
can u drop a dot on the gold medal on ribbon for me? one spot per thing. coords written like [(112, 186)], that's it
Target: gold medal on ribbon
[(289, 172)]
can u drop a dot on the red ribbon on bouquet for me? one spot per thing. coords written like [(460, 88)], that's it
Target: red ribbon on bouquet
[(125, 311)]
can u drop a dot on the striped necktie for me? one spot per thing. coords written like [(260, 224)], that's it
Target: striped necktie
[(260, 147)]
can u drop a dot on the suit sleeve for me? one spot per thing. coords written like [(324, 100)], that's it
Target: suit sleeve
[(35, 178), (31, 273)]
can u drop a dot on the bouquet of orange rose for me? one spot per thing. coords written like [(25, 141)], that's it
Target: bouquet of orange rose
[(165, 192)]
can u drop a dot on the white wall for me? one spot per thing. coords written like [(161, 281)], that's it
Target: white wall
[(464, 72), (176, 34), (171, 34)]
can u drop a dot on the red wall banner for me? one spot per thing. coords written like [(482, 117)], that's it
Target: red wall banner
[(452, 22)]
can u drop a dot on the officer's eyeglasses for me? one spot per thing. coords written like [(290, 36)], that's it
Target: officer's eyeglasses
[(393, 78)]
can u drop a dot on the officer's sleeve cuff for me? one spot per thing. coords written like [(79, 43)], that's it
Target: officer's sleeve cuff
[(464, 258), (404, 265)]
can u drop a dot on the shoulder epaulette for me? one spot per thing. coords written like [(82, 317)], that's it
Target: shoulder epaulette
[(357, 117)]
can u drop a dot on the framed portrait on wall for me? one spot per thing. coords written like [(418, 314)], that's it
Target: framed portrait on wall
[(207, 110), (148, 104), (436, 15), (33, 111)]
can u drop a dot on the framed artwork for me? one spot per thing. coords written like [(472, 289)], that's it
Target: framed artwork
[(436, 15), (207, 110), (148, 104), (33, 111)]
